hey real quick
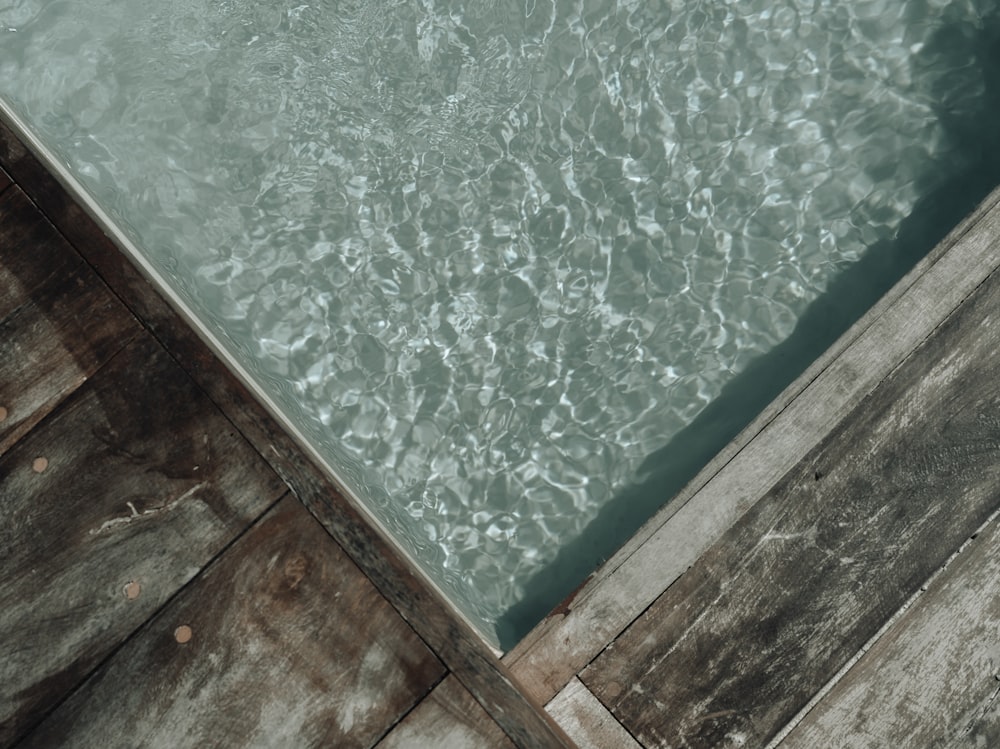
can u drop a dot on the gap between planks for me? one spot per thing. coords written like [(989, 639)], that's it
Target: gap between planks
[(587, 721), (564, 643), (419, 602), (779, 737)]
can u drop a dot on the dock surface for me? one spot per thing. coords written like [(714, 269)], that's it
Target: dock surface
[(177, 572), (162, 585)]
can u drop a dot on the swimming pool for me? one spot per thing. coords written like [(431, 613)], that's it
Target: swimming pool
[(496, 259)]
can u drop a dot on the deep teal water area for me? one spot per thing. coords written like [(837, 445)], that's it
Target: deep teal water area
[(518, 268)]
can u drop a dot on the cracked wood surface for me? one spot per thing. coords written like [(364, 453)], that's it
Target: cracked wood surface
[(772, 611), (136, 477), (275, 655), (934, 677)]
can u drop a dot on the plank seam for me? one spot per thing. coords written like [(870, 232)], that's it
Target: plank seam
[(873, 640), (547, 635), (418, 703), (950, 241), (599, 701), (145, 624), (59, 405), (545, 730)]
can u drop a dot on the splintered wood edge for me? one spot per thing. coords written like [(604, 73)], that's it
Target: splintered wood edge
[(566, 641)]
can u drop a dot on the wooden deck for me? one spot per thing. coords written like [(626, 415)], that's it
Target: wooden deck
[(177, 573), (164, 583)]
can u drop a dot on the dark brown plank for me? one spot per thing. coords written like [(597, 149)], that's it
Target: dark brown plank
[(932, 679), (143, 481), (770, 613), (4, 180), (290, 645), (461, 649), (31, 252), (59, 323), (448, 717)]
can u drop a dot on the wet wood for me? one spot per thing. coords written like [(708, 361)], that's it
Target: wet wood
[(281, 642), (456, 643), (623, 588), (769, 614), (934, 677), (449, 718), (58, 322), (587, 721), (110, 505)]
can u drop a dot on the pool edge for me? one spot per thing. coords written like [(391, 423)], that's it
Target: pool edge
[(549, 656)]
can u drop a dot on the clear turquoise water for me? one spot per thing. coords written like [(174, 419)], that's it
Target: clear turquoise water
[(490, 256)]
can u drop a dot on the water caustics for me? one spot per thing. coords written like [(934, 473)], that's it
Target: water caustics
[(490, 255)]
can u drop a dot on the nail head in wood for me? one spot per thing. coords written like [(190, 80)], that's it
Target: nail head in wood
[(183, 634), (39, 464)]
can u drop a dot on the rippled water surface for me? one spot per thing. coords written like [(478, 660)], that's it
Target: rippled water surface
[(490, 255)]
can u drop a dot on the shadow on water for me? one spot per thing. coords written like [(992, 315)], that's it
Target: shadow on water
[(960, 70)]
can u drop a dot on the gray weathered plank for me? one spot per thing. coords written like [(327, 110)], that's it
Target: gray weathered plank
[(587, 721), (134, 478), (290, 646), (455, 642), (933, 678), (622, 589), (56, 318), (448, 718), (771, 612)]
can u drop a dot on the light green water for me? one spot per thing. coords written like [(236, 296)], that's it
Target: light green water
[(490, 256)]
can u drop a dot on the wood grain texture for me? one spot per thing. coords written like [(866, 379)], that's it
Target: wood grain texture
[(448, 718), (30, 254), (934, 677), (59, 323), (770, 613), (624, 587), (290, 646), (143, 480), (462, 649), (4, 181), (587, 721)]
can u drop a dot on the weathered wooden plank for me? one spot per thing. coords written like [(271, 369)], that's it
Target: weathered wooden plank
[(289, 646), (448, 718), (573, 635), (587, 721), (462, 650), (59, 323), (5, 181), (933, 678), (770, 613), (29, 250), (136, 478)]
